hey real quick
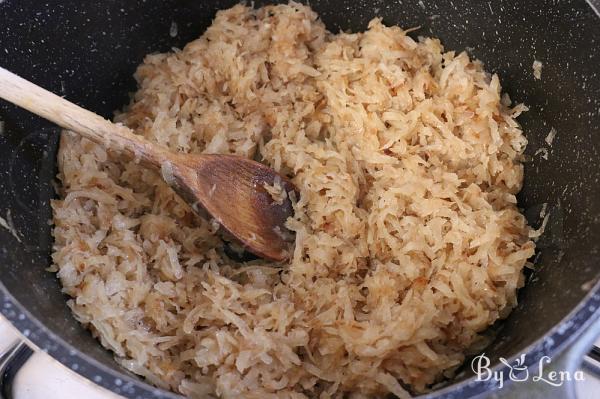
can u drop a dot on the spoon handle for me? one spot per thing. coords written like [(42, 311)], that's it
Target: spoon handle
[(64, 113)]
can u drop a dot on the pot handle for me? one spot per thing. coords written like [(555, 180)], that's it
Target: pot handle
[(14, 353)]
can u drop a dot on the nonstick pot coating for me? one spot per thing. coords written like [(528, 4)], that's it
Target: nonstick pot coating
[(88, 51)]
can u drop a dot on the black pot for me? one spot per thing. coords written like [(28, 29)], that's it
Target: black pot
[(88, 51)]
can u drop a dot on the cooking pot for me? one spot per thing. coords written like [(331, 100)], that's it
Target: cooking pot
[(87, 51)]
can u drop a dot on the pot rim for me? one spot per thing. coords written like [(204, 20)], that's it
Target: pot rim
[(554, 341)]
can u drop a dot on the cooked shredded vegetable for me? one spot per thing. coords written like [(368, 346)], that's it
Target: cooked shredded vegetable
[(408, 244)]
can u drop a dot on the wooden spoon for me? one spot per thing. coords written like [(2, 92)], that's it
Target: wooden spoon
[(228, 187)]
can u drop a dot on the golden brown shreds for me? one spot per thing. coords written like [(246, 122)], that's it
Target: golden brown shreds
[(276, 191), (408, 239)]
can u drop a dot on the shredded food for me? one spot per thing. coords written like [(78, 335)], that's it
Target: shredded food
[(408, 240), (550, 137), (537, 69), (276, 191)]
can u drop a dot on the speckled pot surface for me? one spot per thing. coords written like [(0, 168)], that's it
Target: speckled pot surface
[(88, 50)]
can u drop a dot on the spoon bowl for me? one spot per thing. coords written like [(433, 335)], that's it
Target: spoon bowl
[(232, 190)]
